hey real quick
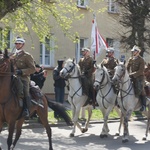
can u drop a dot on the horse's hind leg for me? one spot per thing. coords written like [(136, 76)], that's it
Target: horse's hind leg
[(10, 134), (148, 123), (126, 129), (42, 113), (18, 131), (89, 117)]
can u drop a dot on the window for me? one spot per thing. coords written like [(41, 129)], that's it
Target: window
[(47, 53), (113, 6), (83, 42), (82, 3), (110, 42)]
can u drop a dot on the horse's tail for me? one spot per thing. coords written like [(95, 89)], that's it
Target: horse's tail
[(60, 110)]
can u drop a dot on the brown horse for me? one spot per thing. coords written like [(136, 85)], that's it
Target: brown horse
[(147, 72), (10, 111)]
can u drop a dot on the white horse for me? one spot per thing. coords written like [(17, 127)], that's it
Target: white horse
[(126, 99), (106, 96), (75, 96)]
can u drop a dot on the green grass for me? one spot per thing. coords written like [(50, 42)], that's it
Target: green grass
[(96, 115)]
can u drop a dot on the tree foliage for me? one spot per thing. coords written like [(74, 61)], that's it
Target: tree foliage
[(24, 16), (135, 15)]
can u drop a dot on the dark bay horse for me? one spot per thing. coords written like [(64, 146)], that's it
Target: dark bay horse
[(10, 111), (147, 72)]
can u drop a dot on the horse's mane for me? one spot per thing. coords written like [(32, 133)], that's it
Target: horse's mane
[(105, 69)]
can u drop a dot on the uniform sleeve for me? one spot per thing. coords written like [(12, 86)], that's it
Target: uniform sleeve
[(129, 65), (30, 66), (140, 71)]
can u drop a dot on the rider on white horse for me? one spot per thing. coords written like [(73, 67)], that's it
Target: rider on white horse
[(135, 67), (87, 69), (110, 62)]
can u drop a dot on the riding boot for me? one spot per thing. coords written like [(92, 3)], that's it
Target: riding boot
[(143, 102), (26, 112)]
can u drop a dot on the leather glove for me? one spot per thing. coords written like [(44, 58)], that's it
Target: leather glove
[(19, 72), (130, 75)]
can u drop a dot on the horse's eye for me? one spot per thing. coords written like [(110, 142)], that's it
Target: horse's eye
[(70, 66)]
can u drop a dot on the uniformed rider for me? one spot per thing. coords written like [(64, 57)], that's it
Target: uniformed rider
[(23, 66), (110, 62), (87, 69), (135, 67)]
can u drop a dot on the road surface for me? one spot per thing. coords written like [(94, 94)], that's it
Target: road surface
[(34, 138)]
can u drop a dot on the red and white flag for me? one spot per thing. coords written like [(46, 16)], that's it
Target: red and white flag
[(97, 42)]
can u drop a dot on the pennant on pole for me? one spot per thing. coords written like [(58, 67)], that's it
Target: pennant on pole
[(97, 42)]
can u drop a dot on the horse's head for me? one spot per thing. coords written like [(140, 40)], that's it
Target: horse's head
[(68, 68), (120, 71), (100, 74), (4, 61)]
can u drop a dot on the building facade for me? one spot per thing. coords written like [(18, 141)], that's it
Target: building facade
[(109, 28)]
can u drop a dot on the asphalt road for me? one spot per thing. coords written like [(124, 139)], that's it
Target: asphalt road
[(34, 138)]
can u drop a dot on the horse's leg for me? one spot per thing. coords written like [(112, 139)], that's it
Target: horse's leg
[(76, 112), (118, 111), (148, 123), (10, 133), (43, 114), (105, 128), (126, 130), (88, 120), (18, 132), (120, 124), (0, 132)]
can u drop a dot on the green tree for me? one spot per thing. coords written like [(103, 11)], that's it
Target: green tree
[(135, 15), (24, 16)]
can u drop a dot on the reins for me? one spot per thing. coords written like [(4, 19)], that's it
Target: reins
[(101, 86)]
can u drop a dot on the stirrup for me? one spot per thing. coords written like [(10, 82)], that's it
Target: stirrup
[(25, 113)]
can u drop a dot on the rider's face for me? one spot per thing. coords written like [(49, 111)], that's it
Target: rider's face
[(19, 45)]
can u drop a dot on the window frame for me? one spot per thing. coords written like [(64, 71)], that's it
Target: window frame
[(113, 6), (85, 4), (79, 46), (43, 50)]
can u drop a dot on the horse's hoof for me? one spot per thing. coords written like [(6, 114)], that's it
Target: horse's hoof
[(103, 135), (144, 138), (71, 135), (117, 134), (125, 140), (84, 130)]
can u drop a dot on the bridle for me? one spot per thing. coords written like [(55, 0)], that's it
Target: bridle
[(126, 91), (100, 82), (123, 74), (101, 86), (70, 69)]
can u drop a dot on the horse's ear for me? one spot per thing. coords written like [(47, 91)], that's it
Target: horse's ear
[(124, 62), (95, 66), (102, 65), (73, 59), (6, 54)]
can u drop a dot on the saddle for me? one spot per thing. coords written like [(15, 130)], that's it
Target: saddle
[(36, 93)]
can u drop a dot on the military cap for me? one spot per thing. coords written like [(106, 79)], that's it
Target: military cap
[(85, 49), (19, 40), (135, 48), (110, 49)]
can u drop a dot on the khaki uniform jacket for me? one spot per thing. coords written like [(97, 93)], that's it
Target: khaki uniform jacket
[(25, 62), (136, 67), (110, 64), (86, 66)]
